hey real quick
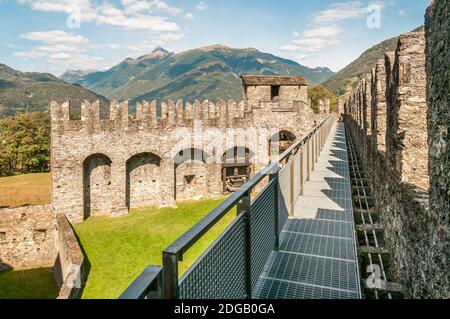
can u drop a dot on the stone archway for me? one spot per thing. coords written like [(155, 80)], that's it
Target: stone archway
[(143, 180), (280, 142), (97, 193), (191, 174)]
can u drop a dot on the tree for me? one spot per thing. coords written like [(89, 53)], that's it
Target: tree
[(25, 144), (319, 92)]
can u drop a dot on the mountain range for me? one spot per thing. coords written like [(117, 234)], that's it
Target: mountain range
[(211, 73), (29, 91), (72, 76)]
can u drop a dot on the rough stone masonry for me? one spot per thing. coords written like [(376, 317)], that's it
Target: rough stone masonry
[(107, 166), (437, 31), (409, 164)]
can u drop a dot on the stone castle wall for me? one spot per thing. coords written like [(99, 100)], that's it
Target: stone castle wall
[(106, 166), (33, 237), (27, 237), (437, 32), (70, 265), (394, 150)]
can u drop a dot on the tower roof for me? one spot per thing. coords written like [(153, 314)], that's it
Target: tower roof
[(273, 80)]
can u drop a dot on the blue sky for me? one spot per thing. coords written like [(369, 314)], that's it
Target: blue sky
[(55, 35)]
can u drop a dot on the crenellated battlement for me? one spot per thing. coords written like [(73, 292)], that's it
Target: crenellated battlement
[(386, 114), (170, 114), (108, 165), (154, 114)]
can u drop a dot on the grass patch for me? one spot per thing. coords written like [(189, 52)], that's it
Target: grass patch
[(30, 189), (28, 284), (119, 249)]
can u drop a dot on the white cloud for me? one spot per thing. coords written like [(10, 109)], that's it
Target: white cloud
[(341, 11), (189, 16), (171, 36), (55, 37), (105, 46), (325, 30), (131, 14), (58, 47), (401, 13), (202, 6), (314, 40), (163, 6)]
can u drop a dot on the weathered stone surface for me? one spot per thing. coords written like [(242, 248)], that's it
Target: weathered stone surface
[(437, 28), (32, 237), (379, 108), (27, 237), (70, 265), (106, 166), (415, 221), (406, 136)]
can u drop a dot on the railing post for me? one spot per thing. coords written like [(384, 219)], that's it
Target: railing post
[(320, 138), (292, 187), (301, 168), (170, 271), (245, 210), (308, 164), (312, 150), (275, 177), (317, 145)]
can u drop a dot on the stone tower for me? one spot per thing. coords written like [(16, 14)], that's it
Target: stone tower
[(283, 92)]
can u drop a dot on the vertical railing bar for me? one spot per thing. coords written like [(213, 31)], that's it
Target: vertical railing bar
[(291, 190), (301, 170), (275, 177), (317, 146), (245, 210), (170, 272), (308, 166)]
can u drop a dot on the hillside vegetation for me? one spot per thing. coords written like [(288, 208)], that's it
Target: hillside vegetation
[(319, 92), (207, 73), (25, 144), (348, 77), (28, 92)]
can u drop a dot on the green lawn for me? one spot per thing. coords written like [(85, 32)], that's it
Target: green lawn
[(29, 189), (119, 249), (28, 284)]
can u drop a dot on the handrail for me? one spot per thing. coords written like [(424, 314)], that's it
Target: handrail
[(188, 239), (157, 282), (140, 287)]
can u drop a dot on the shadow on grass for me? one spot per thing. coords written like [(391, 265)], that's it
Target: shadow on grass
[(28, 284), (86, 266)]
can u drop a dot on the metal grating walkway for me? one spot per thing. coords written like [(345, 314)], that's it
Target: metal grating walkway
[(317, 258)]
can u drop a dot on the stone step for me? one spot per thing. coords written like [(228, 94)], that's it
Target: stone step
[(373, 250), (357, 189), (364, 211), (369, 227), (382, 285)]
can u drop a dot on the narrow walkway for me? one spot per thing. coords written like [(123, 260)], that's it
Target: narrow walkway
[(317, 257)]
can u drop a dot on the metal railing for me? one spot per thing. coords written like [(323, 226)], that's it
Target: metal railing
[(232, 264)]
